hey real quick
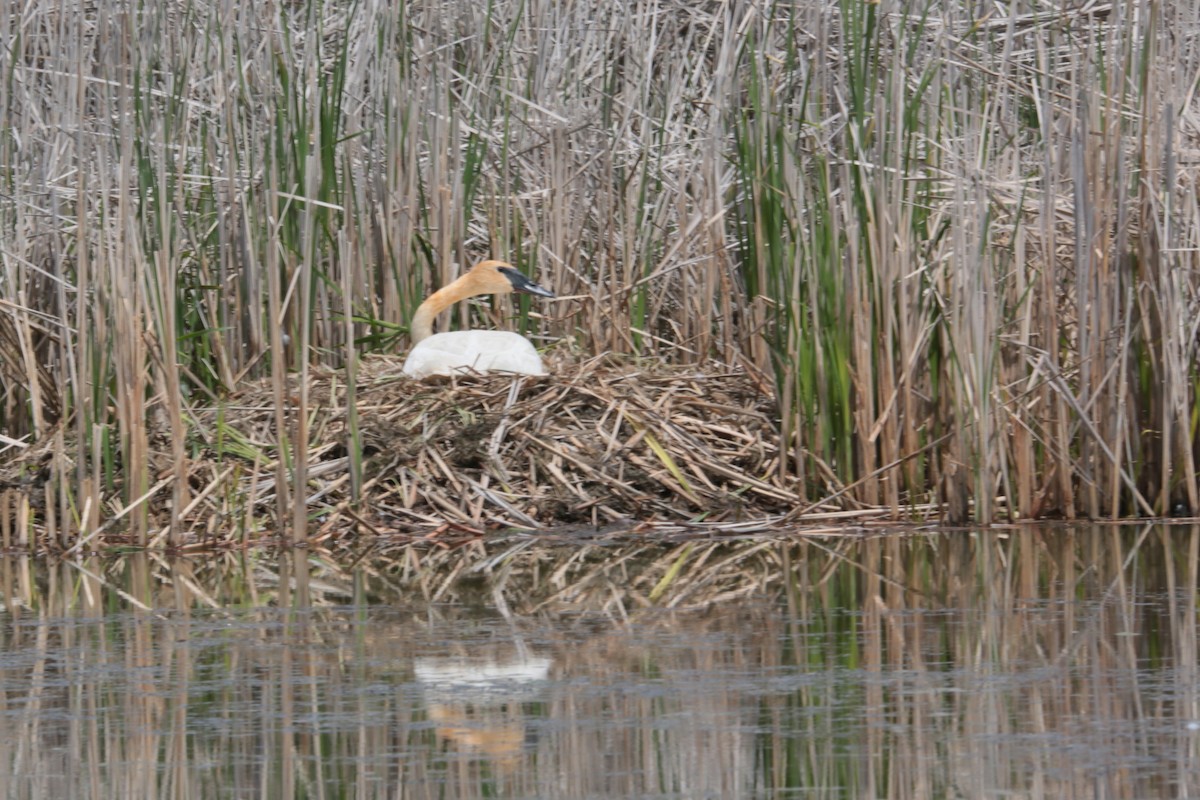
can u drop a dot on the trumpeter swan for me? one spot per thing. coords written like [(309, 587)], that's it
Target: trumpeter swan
[(476, 351)]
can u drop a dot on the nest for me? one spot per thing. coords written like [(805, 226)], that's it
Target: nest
[(598, 443), (600, 450)]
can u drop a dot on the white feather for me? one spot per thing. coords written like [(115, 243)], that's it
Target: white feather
[(465, 352)]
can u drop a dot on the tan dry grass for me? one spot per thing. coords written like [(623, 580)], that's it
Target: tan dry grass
[(962, 249)]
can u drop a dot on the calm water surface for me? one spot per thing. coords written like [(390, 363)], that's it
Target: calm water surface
[(1051, 663)]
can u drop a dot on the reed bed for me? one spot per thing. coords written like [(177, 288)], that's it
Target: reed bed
[(955, 252)]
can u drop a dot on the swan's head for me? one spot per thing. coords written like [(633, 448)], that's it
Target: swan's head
[(499, 277)]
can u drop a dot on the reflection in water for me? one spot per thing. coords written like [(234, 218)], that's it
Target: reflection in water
[(471, 702), (1050, 663)]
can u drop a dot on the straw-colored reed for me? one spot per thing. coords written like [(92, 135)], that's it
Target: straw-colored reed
[(954, 253)]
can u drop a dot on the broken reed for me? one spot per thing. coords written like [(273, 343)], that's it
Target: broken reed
[(961, 245)]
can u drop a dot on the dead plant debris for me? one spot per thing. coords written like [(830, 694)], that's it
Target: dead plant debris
[(599, 443), (602, 445)]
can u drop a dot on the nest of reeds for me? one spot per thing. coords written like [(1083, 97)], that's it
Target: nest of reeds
[(601, 442)]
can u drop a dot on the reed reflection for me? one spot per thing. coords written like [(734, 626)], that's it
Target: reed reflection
[(1046, 663)]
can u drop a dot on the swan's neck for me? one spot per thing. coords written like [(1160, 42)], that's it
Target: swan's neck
[(439, 301)]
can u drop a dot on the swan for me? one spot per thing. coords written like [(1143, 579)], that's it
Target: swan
[(474, 351)]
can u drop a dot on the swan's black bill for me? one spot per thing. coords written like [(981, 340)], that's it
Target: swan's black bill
[(522, 284)]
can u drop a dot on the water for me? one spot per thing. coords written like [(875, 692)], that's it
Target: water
[(1045, 663)]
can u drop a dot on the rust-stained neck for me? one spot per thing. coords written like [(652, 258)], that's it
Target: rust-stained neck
[(486, 277)]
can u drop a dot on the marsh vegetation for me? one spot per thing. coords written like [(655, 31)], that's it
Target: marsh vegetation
[(952, 246)]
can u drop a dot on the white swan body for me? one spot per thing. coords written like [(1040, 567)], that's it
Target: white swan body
[(460, 352), (465, 352)]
